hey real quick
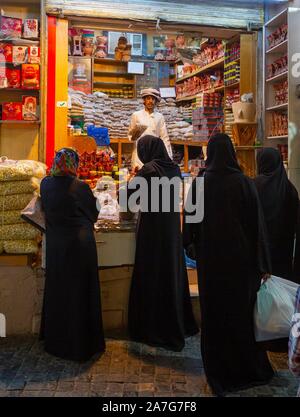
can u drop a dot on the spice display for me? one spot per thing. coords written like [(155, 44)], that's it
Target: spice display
[(31, 76), (277, 67), (207, 121), (31, 28), (20, 246), (278, 36), (279, 124), (10, 27), (12, 111), (281, 92)]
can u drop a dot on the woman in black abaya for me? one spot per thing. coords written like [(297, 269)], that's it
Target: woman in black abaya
[(279, 199), (71, 319), (232, 257), (160, 310)]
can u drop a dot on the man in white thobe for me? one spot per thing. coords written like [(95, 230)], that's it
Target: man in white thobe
[(148, 122)]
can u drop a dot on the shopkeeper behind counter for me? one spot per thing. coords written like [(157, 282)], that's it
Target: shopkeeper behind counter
[(148, 122)]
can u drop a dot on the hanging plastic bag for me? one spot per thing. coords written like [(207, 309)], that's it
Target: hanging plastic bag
[(274, 309)]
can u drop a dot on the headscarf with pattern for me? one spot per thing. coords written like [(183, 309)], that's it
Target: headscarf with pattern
[(65, 163)]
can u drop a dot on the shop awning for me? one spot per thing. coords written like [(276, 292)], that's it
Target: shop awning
[(235, 14)]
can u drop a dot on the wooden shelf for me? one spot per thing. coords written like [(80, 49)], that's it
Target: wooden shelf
[(108, 61), (114, 74), (210, 90), (19, 89), (212, 65), (111, 83), (122, 140), (281, 47), (26, 122), (237, 83), (278, 107), (278, 137), (277, 77), (21, 41), (278, 19)]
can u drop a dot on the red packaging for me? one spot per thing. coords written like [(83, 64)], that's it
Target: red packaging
[(12, 111), (29, 108), (10, 27), (31, 76), (6, 52), (34, 55), (13, 77)]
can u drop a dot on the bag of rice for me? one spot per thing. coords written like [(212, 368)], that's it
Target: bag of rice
[(14, 202), (1, 247), (17, 187), (10, 217), (20, 246), (22, 231)]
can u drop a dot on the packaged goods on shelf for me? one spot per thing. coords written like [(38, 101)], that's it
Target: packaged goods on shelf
[(279, 124), (13, 76), (20, 246), (213, 51), (31, 76), (278, 36), (281, 92), (232, 97), (34, 55), (283, 149), (20, 55), (207, 121), (12, 111), (232, 53), (10, 217), (10, 27), (228, 121), (199, 83), (6, 52), (277, 67), (115, 114), (232, 74), (29, 108), (31, 28)]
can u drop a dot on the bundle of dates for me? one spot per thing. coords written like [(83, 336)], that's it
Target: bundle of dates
[(279, 125), (278, 67), (212, 52), (94, 165), (281, 93), (279, 36)]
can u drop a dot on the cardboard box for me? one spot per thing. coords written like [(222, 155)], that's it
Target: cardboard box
[(20, 54), (31, 28), (12, 111), (5, 52), (10, 27), (13, 76), (29, 108), (34, 55), (31, 76)]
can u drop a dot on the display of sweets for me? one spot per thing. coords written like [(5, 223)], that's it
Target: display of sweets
[(279, 124), (212, 51), (277, 67), (31, 76), (281, 92), (232, 73), (232, 97), (10, 27), (228, 122), (206, 122), (232, 52), (278, 36), (94, 165), (199, 83)]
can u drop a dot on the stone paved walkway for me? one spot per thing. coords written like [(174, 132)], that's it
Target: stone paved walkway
[(126, 369)]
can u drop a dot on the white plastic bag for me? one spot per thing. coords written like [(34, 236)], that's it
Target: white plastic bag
[(274, 309)]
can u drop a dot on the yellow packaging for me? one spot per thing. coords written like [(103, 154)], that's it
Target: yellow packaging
[(22, 231), (20, 247), (10, 217), (14, 202)]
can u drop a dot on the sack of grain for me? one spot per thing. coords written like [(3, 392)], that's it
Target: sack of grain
[(10, 217), (22, 231), (1, 247), (20, 246), (17, 187), (14, 202)]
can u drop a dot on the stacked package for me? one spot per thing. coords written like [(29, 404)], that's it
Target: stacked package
[(207, 121), (115, 114), (19, 181), (228, 122)]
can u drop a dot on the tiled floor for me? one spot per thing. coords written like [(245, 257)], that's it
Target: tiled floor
[(126, 369)]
